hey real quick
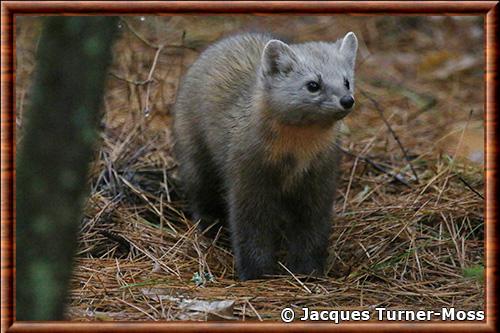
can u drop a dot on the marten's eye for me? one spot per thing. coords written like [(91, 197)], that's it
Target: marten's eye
[(312, 86), (346, 84)]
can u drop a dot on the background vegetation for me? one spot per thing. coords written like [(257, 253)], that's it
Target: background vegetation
[(409, 231)]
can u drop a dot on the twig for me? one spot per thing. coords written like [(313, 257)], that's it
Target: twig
[(379, 109), (152, 45), (158, 48), (137, 308), (296, 279), (377, 166), (138, 35), (134, 82), (255, 311), (148, 81), (145, 198), (469, 186), (150, 78)]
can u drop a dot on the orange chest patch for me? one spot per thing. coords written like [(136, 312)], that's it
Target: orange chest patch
[(302, 144)]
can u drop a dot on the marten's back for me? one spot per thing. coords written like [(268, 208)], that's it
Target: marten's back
[(227, 69), (215, 93)]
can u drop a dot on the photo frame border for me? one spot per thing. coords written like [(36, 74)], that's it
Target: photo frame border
[(10, 9)]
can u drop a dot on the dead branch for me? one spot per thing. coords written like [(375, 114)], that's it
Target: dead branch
[(377, 166), (393, 133)]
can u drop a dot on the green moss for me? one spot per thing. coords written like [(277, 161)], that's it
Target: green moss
[(474, 272)]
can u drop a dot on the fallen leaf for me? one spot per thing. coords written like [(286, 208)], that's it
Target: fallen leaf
[(215, 310)]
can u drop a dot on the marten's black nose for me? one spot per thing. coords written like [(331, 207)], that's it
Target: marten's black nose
[(347, 101)]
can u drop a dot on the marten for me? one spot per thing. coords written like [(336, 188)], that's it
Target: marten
[(256, 122)]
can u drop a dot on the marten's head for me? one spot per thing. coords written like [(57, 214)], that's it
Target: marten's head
[(310, 83)]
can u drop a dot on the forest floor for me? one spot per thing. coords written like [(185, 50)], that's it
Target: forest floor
[(409, 225)]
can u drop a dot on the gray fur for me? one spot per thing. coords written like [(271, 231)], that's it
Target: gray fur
[(255, 146)]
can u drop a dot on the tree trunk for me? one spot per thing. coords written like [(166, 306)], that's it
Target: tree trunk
[(57, 147)]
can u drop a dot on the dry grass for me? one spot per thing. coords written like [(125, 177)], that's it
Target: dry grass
[(399, 241)]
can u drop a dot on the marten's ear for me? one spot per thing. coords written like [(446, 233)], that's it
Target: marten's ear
[(349, 47), (277, 57)]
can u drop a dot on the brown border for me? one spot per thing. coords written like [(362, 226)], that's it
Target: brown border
[(11, 8)]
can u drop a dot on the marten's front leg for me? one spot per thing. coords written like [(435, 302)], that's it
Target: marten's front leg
[(307, 246), (307, 235), (255, 241), (311, 208)]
